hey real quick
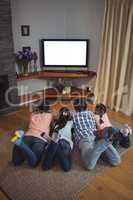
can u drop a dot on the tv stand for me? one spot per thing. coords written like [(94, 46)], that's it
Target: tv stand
[(58, 74), (51, 77)]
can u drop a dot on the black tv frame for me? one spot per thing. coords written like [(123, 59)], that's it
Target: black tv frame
[(48, 66)]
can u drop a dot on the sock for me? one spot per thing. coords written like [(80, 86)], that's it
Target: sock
[(18, 142)]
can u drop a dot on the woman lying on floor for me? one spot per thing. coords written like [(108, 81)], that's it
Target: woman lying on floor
[(61, 144), (120, 137), (31, 145)]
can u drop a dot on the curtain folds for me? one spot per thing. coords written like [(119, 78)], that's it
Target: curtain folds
[(114, 84)]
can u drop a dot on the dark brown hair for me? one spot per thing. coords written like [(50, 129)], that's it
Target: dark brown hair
[(80, 104), (100, 110), (64, 117)]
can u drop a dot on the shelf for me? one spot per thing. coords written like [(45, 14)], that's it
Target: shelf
[(53, 94), (58, 74)]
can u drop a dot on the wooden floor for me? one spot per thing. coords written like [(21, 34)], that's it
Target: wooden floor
[(3, 196), (116, 183)]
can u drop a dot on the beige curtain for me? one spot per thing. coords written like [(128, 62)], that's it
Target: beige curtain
[(114, 84)]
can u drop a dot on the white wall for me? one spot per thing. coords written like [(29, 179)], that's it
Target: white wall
[(58, 19)]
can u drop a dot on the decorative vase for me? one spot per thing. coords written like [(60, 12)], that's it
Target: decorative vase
[(25, 68), (30, 67), (35, 68), (20, 67)]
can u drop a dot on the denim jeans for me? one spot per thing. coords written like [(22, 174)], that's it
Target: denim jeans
[(114, 130), (30, 149), (91, 152), (61, 151), (64, 155), (118, 138)]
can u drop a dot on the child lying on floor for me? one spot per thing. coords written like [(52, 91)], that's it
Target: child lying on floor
[(61, 144), (118, 137), (31, 146)]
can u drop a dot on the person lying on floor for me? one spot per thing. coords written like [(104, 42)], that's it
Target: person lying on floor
[(84, 124), (61, 144), (118, 136), (31, 146)]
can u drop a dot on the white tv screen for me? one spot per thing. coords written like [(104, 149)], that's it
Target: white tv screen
[(65, 52)]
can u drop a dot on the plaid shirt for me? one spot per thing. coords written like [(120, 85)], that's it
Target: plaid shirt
[(84, 124)]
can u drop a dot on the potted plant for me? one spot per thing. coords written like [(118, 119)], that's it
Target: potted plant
[(63, 86), (23, 59), (67, 87)]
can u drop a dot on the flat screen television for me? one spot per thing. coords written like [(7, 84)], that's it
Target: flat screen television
[(65, 52)]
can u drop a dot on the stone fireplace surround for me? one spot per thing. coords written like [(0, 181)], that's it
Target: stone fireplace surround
[(7, 64), (7, 81), (4, 85)]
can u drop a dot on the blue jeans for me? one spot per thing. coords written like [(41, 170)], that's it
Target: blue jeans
[(105, 132), (115, 131), (61, 151), (30, 149), (91, 152), (118, 138)]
